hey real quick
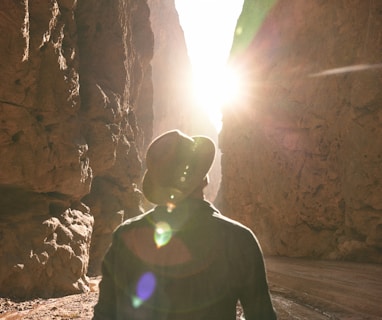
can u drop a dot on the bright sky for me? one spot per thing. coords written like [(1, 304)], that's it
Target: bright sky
[(209, 27)]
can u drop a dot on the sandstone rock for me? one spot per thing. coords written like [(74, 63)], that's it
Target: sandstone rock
[(171, 73), (302, 154), (45, 247), (71, 85)]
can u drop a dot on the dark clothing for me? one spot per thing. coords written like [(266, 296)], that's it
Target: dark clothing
[(189, 264)]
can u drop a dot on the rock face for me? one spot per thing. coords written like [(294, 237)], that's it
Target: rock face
[(173, 105), (302, 151), (116, 48), (70, 137)]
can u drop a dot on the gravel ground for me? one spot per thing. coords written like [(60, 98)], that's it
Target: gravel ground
[(80, 306), (301, 290)]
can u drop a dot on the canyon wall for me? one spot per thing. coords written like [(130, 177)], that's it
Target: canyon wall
[(302, 149), (171, 70), (71, 134)]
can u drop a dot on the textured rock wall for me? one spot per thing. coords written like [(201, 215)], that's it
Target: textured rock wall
[(302, 150), (172, 74), (116, 46), (69, 135)]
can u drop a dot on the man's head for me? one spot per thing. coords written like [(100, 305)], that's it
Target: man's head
[(176, 165)]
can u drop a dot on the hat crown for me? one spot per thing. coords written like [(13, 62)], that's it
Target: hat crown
[(176, 165)]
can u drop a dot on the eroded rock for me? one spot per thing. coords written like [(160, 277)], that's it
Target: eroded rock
[(302, 152), (71, 85)]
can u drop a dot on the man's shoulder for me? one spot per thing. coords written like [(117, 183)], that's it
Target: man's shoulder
[(134, 221), (237, 235), (137, 218), (228, 221), (231, 224)]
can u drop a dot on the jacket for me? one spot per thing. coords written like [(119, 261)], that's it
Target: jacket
[(191, 263)]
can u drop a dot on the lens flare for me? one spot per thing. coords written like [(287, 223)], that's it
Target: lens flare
[(163, 234), (170, 207), (347, 69), (216, 88), (145, 288)]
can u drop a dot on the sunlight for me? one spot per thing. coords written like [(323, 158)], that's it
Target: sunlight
[(214, 89), (209, 27)]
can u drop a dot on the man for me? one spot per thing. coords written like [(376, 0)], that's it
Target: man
[(183, 260)]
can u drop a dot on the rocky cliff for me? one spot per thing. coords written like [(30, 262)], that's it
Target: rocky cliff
[(302, 150), (71, 102), (172, 74)]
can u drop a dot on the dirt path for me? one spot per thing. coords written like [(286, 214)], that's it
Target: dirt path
[(338, 290), (301, 290)]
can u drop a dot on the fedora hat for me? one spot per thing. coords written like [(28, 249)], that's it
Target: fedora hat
[(176, 165)]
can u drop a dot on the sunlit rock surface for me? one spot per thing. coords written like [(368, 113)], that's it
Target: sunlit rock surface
[(71, 82), (171, 70), (44, 244), (302, 150), (116, 48)]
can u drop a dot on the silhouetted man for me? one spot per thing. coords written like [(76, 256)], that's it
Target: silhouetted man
[(183, 259)]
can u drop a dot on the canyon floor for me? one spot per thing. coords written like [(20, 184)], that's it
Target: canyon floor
[(301, 289)]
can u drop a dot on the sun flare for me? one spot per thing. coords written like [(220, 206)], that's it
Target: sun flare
[(209, 33), (215, 88)]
